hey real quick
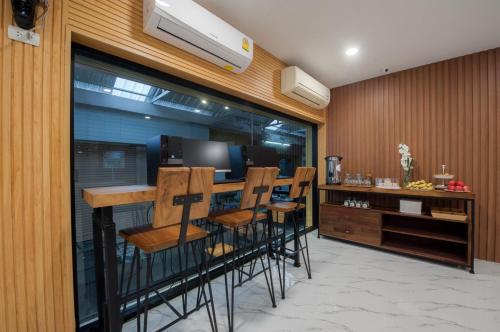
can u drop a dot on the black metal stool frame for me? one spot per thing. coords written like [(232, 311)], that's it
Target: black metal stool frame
[(185, 201), (285, 252), (255, 253)]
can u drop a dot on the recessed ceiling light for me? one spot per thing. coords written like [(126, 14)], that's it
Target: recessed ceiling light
[(107, 90), (197, 111), (203, 101), (226, 107), (147, 117), (352, 51)]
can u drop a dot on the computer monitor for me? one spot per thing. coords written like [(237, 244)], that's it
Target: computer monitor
[(243, 156), (198, 153), (263, 156)]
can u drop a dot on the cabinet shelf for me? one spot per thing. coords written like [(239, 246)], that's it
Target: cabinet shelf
[(425, 233), (397, 213), (425, 250)]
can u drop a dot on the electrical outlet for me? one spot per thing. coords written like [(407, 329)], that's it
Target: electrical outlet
[(24, 36)]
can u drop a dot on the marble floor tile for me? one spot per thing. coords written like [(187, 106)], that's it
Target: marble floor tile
[(358, 289)]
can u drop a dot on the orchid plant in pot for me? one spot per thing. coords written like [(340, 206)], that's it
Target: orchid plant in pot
[(406, 163)]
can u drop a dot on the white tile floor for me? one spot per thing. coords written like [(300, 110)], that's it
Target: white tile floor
[(358, 289)]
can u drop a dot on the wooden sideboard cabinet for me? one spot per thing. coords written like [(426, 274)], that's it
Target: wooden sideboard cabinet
[(383, 226)]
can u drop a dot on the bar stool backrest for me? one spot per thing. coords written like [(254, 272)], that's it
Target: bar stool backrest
[(302, 175), (174, 182), (258, 177)]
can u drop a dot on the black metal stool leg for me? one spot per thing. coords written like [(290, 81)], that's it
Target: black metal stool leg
[(206, 266), (235, 244), (270, 231), (283, 247), (202, 285), (146, 296), (296, 240), (274, 237), (253, 253), (300, 247), (186, 277), (182, 278), (221, 229), (138, 290), (124, 256), (307, 253), (129, 282), (269, 280)]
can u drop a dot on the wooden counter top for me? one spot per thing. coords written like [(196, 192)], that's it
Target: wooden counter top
[(400, 192), (121, 195)]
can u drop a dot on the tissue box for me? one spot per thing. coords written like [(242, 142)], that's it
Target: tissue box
[(410, 206)]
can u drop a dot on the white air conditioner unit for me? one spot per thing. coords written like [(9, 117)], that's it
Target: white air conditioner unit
[(191, 27), (298, 85)]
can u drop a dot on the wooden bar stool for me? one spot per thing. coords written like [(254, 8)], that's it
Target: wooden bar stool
[(301, 186), (243, 222), (182, 195)]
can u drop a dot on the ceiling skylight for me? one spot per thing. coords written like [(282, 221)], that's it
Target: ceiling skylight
[(132, 86), (130, 89), (274, 125)]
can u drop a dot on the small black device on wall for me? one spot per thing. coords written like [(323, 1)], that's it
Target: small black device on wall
[(26, 21), (24, 12), (162, 151)]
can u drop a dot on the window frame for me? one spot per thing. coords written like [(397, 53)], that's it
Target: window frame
[(80, 50)]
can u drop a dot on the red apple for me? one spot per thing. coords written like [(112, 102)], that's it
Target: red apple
[(459, 188), (452, 183), (452, 188), (460, 183), (466, 188)]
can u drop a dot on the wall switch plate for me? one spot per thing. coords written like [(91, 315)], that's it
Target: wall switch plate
[(24, 36)]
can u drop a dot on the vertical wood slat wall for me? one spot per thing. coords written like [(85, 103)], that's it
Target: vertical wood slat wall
[(36, 288), (36, 291), (447, 112)]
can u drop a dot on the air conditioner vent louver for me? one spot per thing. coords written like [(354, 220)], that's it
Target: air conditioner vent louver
[(198, 47), (188, 26), (298, 85)]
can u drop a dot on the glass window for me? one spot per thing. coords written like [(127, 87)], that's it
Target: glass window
[(116, 110)]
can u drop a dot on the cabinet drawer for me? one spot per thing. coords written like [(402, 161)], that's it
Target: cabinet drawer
[(351, 224)]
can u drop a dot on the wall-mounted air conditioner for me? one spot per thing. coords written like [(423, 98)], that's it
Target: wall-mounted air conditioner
[(298, 85), (191, 27)]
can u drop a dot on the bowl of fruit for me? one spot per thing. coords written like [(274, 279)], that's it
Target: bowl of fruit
[(457, 186), (420, 185)]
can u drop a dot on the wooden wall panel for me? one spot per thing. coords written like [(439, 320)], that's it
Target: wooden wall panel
[(35, 238), (36, 289), (447, 112)]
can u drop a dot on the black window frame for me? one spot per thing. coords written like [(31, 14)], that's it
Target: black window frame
[(78, 49)]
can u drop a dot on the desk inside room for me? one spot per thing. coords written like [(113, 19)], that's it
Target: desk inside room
[(102, 200), (384, 226)]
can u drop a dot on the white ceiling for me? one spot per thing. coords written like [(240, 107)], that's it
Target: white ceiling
[(393, 34)]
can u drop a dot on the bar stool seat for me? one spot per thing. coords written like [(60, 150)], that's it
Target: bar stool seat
[(236, 218), (285, 206), (150, 239)]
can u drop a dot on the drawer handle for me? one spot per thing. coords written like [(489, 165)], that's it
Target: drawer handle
[(347, 231)]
